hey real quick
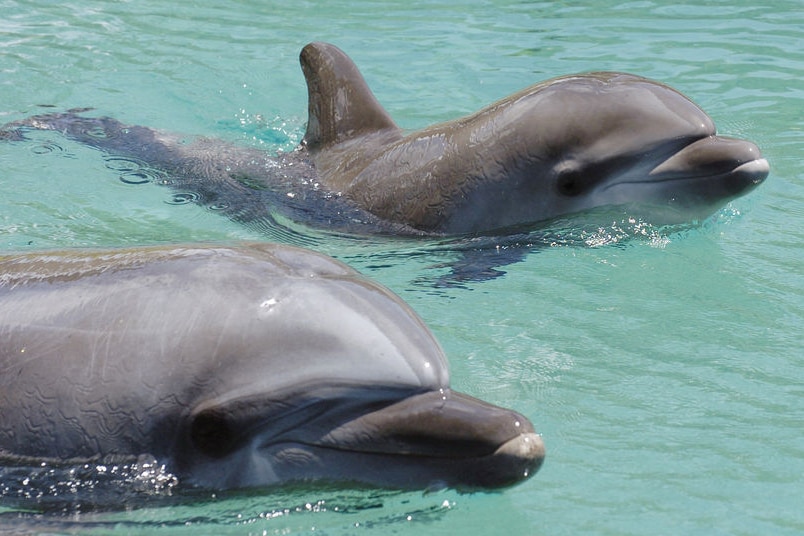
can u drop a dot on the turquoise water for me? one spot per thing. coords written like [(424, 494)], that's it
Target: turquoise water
[(665, 369)]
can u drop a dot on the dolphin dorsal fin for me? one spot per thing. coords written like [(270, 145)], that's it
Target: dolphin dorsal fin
[(341, 106)]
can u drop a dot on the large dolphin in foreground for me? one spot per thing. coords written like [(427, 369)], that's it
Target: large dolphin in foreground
[(239, 366), (559, 147)]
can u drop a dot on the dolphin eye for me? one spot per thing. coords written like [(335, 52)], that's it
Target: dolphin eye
[(570, 182), (212, 433)]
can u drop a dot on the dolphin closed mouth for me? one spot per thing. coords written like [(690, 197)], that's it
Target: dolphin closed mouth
[(437, 437), (714, 156), (690, 182), (497, 447)]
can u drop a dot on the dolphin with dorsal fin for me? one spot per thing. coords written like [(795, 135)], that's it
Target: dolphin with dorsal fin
[(557, 148)]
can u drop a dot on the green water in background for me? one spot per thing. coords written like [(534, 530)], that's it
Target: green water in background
[(666, 372)]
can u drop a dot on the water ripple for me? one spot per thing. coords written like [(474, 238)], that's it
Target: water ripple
[(183, 198), (48, 147), (133, 171)]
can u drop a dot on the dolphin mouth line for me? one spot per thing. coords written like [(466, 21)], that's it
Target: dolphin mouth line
[(511, 462), (436, 425), (758, 168), (527, 445), (713, 157)]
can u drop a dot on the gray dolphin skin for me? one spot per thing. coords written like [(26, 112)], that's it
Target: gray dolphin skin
[(239, 366), (557, 148)]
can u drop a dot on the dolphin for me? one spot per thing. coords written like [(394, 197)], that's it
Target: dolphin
[(239, 366), (558, 148)]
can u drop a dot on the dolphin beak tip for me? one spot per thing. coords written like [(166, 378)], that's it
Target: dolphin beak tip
[(512, 463), (526, 451), (759, 169)]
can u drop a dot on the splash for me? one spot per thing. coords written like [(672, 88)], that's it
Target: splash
[(87, 486)]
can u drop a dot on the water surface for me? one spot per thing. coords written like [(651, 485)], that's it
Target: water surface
[(664, 368)]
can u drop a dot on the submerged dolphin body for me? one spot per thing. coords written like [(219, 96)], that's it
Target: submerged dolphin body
[(239, 366), (559, 147)]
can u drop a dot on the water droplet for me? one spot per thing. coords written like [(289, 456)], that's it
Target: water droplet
[(118, 163), (97, 133), (47, 148), (132, 171), (223, 205), (135, 177), (183, 198)]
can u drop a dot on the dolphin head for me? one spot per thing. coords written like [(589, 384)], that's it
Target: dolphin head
[(601, 139), (329, 376), (240, 366)]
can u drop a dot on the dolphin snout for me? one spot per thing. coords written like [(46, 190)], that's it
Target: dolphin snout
[(717, 156), (474, 443)]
